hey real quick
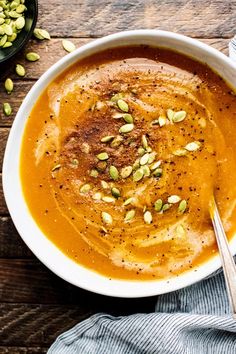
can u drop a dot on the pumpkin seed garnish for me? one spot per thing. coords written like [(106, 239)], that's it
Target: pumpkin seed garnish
[(101, 166), (41, 34), (123, 105), (144, 159), (158, 205), (138, 175), (108, 199), (128, 118), (104, 184), (57, 167), (114, 173), (182, 206), (19, 23), (85, 188), (107, 139), (170, 114), (173, 199), (157, 172), (195, 145), (107, 218), (162, 121), (128, 201), (180, 152), (166, 207), (180, 231), (68, 45), (9, 85), (146, 171), (7, 110), (129, 215), (155, 165), (179, 116), (7, 45), (97, 196), (136, 165), (126, 128), (152, 156), (31, 56), (144, 142), (118, 115), (115, 192), (141, 151), (126, 171), (3, 40), (147, 217), (20, 70), (116, 141), (103, 156), (117, 97), (94, 173), (155, 122)]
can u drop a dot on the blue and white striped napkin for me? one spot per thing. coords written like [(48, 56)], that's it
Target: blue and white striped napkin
[(194, 320)]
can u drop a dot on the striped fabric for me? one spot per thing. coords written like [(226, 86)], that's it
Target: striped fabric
[(194, 320)]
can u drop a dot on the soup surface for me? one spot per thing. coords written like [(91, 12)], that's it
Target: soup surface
[(120, 157)]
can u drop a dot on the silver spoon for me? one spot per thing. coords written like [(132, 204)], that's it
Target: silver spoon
[(227, 260)]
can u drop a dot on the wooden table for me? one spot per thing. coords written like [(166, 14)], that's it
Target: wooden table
[(36, 305)]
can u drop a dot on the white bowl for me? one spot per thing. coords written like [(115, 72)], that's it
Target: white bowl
[(39, 244)]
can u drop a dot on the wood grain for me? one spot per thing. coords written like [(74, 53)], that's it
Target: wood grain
[(89, 18), (23, 350)]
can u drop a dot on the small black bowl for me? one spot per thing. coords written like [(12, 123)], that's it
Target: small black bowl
[(31, 16)]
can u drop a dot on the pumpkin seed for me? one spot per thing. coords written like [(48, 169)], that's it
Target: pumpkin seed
[(116, 141), (20, 70), (14, 14), (108, 199), (155, 165), (107, 139), (117, 97), (158, 205), (144, 142), (3, 40), (180, 231), (94, 173), (118, 115), (170, 114), (20, 9), (7, 110), (182, 206), (128, 118), (152, 156), (144, 159), (173, 199), (19, 23), (129, 215), (195, 145), (85, 188), (128, 201), (9, 85), (162, 121), (103, 156), (141, 151), (166, 207), (7, 29), (180, 152), (157, 172), (104, 185), (97, 196), (2, 21), (179, 116), (7, 45), (107, 218), (136, 165), (31, 56), (101, 166), (123, 105), (41, 34), (114, 173), (57, 167), (126, 128), (126, 171), (146, 171), (147, 217), (155, 122), (68, 45), (12, 37), (115, 192), (138, 175)]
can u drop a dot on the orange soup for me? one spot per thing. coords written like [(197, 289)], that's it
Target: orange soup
[(121, 155)]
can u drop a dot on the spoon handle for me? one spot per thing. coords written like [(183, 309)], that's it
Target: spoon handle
[(227, 260)]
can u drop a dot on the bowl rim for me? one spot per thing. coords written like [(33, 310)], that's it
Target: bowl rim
[(41, 246), (25, 39)]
